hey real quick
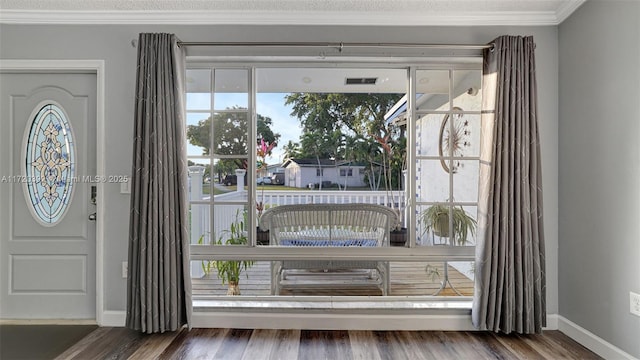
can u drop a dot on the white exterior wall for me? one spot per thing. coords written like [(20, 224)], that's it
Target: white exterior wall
[(291, 177), (308, 176), (301, 177), (466, 179), (356, 180), (432, 181)]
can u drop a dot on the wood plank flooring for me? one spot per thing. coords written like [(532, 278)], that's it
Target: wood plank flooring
[(407, 278), (245, 344)]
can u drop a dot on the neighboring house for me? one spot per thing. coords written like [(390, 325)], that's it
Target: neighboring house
[(274, 169), (302, 172)]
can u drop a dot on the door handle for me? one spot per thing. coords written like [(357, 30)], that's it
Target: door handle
[(92, 217), (94, 191)]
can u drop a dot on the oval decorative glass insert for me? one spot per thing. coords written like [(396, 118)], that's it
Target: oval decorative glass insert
[(50, 165)]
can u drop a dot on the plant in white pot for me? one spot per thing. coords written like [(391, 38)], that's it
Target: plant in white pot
[(436, 221)]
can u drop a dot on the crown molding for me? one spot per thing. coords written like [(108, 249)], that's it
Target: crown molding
[(137, 17), (567, 8)]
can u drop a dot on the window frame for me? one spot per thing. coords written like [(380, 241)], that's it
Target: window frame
[(346, 172), (411, 253)]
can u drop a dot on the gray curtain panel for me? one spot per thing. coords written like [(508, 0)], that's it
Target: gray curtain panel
[(510, 287), (159, 289)]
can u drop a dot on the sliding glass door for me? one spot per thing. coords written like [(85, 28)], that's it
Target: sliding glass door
[(264, 136)]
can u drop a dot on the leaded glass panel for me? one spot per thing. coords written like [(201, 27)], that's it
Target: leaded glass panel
[(49, 164)]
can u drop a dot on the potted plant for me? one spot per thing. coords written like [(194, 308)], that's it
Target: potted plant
[(262, 236), (391, 155), (207, 265), (229, 271), (263, 150), (436, 221)]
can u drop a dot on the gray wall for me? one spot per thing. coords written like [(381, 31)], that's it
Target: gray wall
[(599, 232), (113, 44)]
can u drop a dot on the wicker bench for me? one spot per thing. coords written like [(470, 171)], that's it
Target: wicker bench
[(328, 225)]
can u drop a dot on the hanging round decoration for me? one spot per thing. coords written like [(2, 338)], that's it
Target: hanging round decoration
[(452, 139)]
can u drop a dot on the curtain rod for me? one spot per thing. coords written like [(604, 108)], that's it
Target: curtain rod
[(340, 45)]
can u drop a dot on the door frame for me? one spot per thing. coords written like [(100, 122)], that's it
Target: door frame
[(96, 67)]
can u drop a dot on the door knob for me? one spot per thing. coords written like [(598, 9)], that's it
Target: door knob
[(94, 192), (92, 217)]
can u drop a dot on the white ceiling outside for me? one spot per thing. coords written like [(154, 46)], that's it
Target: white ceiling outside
[(330, 80), (323, 80), (295, 12)]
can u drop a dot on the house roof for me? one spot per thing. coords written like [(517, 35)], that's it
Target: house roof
[(323, 163)]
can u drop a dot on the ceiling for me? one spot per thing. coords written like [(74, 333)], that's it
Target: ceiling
[(293, 12), (329, 80)]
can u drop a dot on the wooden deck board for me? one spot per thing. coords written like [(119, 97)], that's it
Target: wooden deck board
[(406, 279)]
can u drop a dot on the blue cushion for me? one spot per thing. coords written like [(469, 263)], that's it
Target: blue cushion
[(350, 242)]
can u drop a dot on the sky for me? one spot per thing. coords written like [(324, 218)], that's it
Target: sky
[(268, 104), (272, 105)]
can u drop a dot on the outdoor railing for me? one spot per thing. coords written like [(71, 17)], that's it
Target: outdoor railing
[(227, 213), (224, 213), (293, 197), (200, 216)]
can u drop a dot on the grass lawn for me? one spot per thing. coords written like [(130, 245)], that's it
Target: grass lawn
[(216, 190)]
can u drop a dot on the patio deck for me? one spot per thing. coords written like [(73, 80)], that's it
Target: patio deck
[(407, 279)]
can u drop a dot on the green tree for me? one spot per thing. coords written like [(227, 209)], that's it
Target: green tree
[(392, 148), (321, 144), (230, 135), (361, 113), (367, 150), (230, 130), (344, 126), (291, 150)]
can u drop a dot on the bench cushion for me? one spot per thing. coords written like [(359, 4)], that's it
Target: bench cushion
[(351, 242)]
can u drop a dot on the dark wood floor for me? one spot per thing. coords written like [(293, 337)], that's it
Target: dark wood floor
[(121, 343)]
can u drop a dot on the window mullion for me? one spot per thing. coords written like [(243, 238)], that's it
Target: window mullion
[(251, 166), (411, 158)]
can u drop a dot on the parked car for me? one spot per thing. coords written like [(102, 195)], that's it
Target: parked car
[(231, 180), (263, 180), (277, 179)]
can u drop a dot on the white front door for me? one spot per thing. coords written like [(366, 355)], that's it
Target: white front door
[(47, 170)]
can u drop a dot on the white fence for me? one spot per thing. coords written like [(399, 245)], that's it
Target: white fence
[(227, 207), (283, 197)]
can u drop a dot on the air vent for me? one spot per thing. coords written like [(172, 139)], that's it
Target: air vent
[(361, 81)]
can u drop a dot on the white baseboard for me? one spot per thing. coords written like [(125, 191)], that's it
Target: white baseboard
[(552, 322), (48, 322), (113, 318), (322, 321), (591, 341), (246, 320)]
